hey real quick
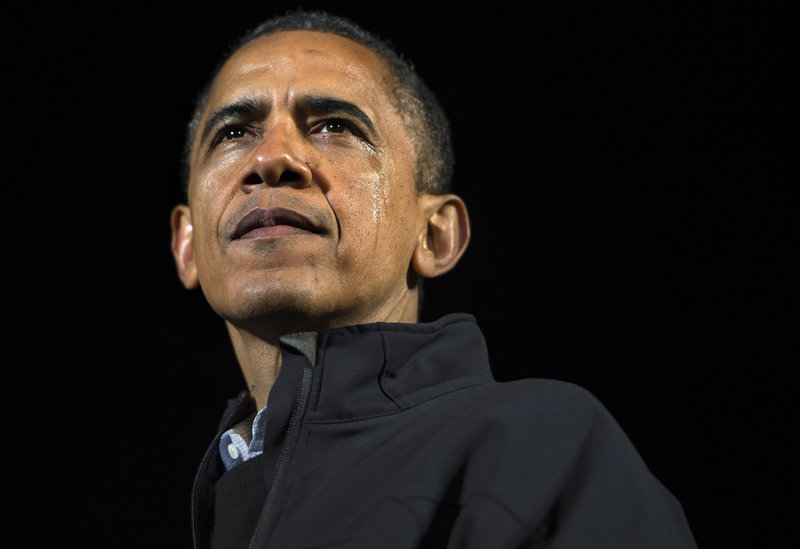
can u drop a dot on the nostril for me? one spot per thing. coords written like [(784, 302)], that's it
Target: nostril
[(288, 176), (253, 179), (283, 176)]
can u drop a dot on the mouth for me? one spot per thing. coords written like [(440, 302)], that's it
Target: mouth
[(261, 223)]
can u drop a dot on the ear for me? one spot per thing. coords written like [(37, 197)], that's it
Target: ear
[(182, 248), (445, 236)]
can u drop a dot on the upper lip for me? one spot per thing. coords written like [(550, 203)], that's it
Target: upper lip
[(269, 217)]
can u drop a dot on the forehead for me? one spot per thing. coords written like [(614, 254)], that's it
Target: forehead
[(293, 62)]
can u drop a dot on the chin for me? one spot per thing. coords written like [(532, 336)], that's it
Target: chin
[(258, 308)]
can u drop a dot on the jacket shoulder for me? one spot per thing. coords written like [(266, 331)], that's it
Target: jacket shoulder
[(552, 457), (544, 401)]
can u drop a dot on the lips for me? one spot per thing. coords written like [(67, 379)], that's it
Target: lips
[(271, 222)]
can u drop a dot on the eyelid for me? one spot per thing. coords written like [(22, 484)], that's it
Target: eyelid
[(319, 124), (220, 135), (353, 126)]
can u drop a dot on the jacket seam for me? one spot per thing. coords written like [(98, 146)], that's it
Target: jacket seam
[(521, 523), (393, 412), (502, 505)]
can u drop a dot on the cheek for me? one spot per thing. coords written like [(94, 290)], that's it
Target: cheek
[(217, 183), (201, 223), (379, 203), (206, 212), (369, 200), (376, 222), (213, 188), (360, 207), (382, 194)]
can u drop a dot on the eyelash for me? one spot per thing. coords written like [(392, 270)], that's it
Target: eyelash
[(243, 130), (343, 125), (226, 133)]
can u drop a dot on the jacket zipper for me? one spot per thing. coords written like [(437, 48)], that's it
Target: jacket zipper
[(204, 462), (292, 432)]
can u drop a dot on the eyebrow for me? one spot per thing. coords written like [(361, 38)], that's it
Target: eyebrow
[(248, 108)]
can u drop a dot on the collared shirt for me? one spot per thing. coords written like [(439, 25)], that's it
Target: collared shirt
[(234, 447)]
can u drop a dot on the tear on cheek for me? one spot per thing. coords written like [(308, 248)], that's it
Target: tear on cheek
[(380, 195)]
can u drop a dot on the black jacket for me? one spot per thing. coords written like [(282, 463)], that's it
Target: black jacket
[(399, 437)]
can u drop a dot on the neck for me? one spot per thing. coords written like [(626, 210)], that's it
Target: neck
[(260, 361), (259, 356)]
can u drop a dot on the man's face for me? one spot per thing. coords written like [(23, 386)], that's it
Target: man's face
[(302, 202)]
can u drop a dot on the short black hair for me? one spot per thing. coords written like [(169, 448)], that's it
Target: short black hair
[(420, 110)]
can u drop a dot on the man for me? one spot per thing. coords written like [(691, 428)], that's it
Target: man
[(317, 201)]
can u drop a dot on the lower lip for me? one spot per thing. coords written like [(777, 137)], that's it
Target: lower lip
[(272, 232)]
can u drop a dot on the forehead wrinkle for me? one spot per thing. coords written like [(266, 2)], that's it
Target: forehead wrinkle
[(289, 57)]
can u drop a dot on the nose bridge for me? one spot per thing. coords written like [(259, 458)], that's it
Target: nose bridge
[(280, 156), (281, 132)]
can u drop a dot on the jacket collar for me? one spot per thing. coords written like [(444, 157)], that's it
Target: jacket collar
[(376, 369), (373, 369)]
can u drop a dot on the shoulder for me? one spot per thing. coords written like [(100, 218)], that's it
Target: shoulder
[(550, 420), (550, 455), (545, 400)]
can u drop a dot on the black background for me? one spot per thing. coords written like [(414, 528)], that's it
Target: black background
[(628, 173)]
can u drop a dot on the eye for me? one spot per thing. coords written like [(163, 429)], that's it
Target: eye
[(231, 133), (336, 126), (348, 130)]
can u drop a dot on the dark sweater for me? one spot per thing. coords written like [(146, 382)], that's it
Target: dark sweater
[(399, 437)]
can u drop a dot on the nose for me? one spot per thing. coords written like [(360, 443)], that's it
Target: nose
[(279, 159)]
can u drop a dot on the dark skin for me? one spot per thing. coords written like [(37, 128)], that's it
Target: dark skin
[(303, 213)]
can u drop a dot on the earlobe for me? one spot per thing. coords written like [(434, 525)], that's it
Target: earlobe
[(182, 246), (444, 237)]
